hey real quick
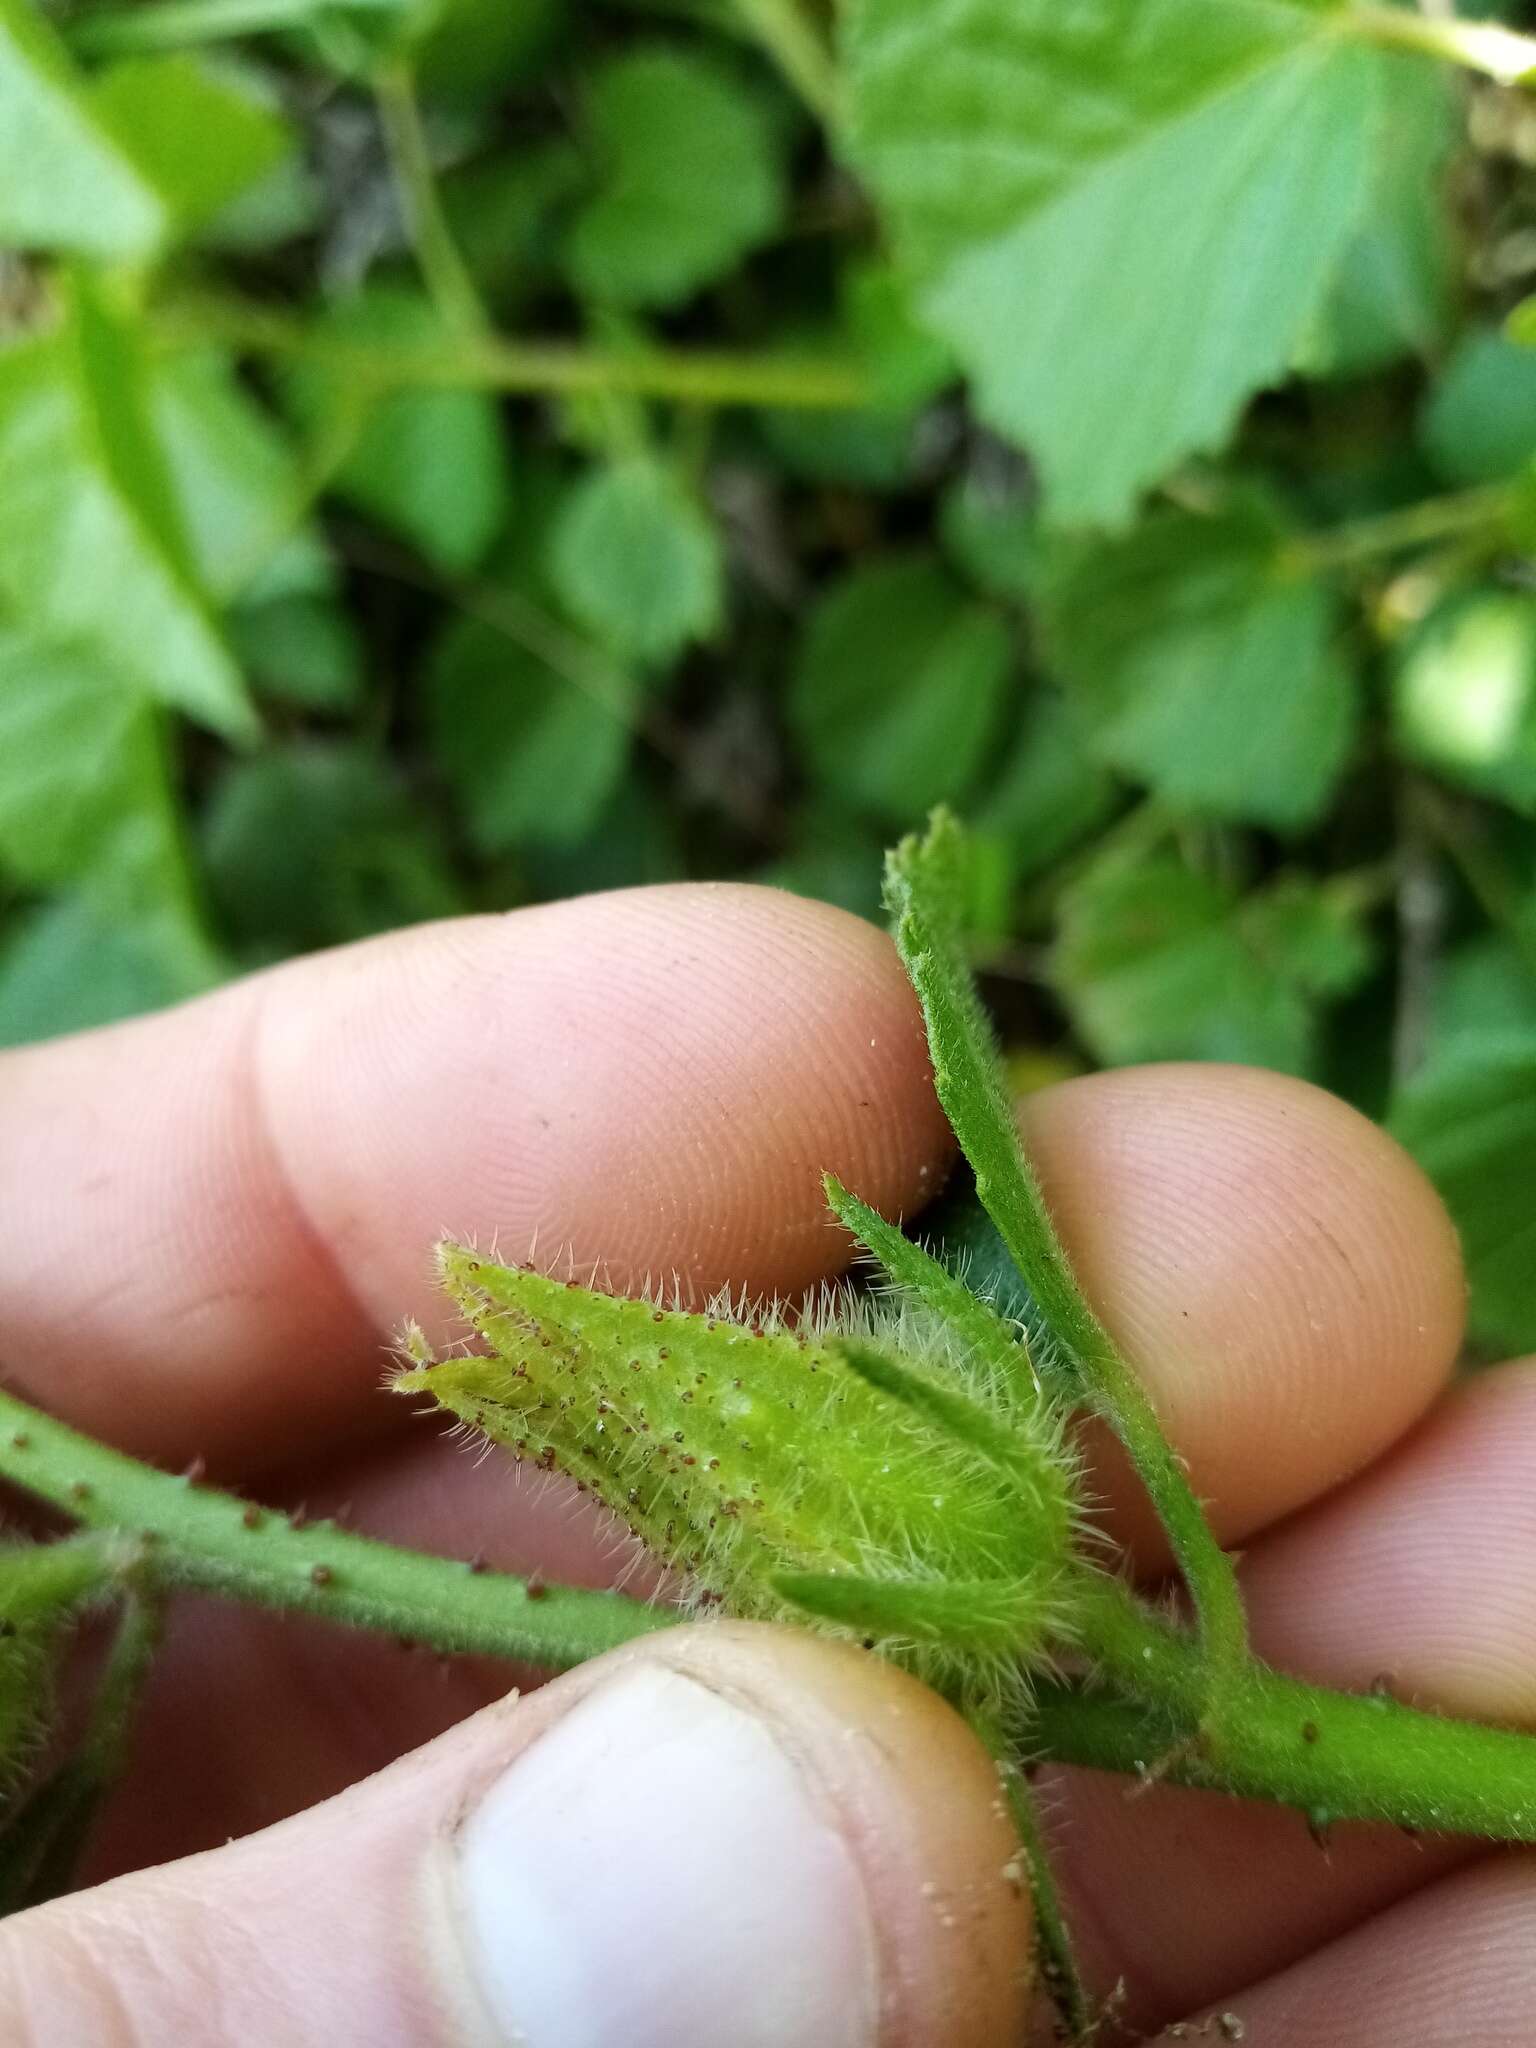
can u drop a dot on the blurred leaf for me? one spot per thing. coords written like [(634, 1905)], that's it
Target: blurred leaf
[(1205, 669), (871, 446), (164, 110), (301, 648), (1393, 293), (1158, 962), (1485, 987), (1121, 216), (73, 964), (473, 49), (503, 212), (86, 797), (236, 481), (688, 181), (632, 842), (1479, 424), (64, 181), (1470, 1122), (636, 559), (91, 544), (532, 756), (833, 859), (898, 686), (428, 465), (1051, 793), (991, 533), (82, 774), (1464, 694), (313, 845)]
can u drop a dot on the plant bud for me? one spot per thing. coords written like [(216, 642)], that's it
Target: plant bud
[(841, 1469)]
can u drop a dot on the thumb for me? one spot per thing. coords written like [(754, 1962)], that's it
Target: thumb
[(722, 1832)]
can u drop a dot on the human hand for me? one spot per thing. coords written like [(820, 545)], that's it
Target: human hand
[(211, 1217)]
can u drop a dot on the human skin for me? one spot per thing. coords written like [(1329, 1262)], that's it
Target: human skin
[(210, 1220)]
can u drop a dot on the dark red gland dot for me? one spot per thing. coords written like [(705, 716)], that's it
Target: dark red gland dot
[(251, 1517), (663, 1352), (20, 1440), (535, 1588), (320, 1575)]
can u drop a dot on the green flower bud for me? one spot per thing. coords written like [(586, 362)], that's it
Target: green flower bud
[(840, 1468)]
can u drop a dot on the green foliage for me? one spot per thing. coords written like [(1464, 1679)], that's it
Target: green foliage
[(545, 448), (636, 560), (685, 178), (897, 689), (1206, 668)]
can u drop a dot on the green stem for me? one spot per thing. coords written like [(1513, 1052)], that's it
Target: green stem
[(43, 1853), (802, 57), (1389, 533), (177, 1534), (1333, 1755), (1482, 46), (488, 363), (1056, 1958), (448, 281)]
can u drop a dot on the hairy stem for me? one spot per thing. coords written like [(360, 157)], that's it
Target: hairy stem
[(1333, 1755), (176, 1534), (490, 363)]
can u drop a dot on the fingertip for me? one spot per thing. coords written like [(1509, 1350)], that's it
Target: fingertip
[(1276, 1267)]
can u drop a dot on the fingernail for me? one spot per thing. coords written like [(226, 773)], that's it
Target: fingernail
[(656, 1869)]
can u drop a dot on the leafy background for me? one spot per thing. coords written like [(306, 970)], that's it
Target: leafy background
[(455, 453)]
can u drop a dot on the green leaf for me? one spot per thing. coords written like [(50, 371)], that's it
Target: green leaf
[(314, 845), (898, 686), (1394, 291), (92, 548), (64, 182), (532, 754), (1479, 423), (238, 488), (82, 773), (1121, 217), (688, 178), (86, 797), (1204, 669), (428, 465), (302, 648), (1471, 1124), (636, 559), (1484, 988), (1464, 694), (1158, 962), (163, 110), (74, 964), (1051, 792)]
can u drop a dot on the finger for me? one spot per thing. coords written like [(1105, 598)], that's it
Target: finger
[(1422, 1573), (1452, 1965), (209, 1217), (1278, 1271), (1157, 1177), (727, 1832)]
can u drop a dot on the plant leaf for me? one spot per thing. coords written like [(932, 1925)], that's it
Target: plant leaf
[(689, 178), (898, 686), (1470, 1121), (64, 182), (1121, 216), (532, 755), (91, 544), (1203, 668), (635, 558)]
